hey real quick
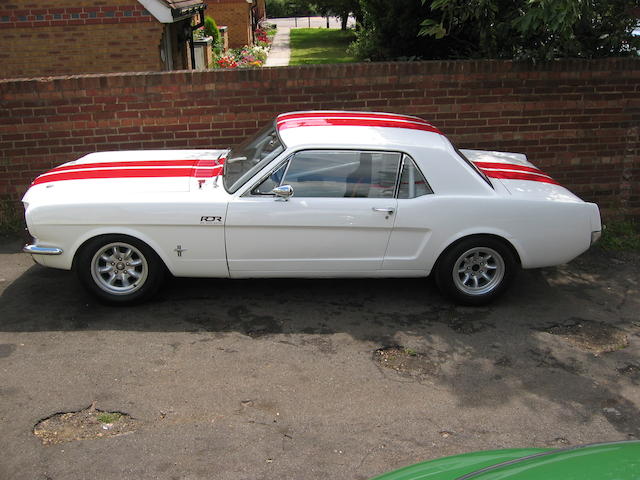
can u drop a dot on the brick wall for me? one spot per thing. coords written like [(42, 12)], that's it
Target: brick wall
[(578, 120), (236, 15), (45, 38)]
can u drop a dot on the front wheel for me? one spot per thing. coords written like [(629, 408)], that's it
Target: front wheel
[(119, 269), (476, 270)]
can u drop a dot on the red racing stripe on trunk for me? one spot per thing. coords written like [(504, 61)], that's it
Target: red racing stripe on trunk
[(509, 166), (519, 176)]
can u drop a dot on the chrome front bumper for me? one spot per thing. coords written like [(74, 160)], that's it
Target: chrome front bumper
[(36, 250)]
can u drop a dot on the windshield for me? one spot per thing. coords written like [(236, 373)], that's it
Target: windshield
[(250, 156)]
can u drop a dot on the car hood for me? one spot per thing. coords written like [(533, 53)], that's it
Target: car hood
[(618, 460), (131, 172), (520, 177)]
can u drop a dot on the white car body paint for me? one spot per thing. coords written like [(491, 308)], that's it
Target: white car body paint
[(239, 235)]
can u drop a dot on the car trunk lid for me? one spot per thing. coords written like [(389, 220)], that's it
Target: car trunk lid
[(519, 177)]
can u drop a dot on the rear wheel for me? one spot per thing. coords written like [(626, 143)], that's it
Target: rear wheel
[(119, 269), (476, 270)]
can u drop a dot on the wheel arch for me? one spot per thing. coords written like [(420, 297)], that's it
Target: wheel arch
[(103, 232), (501, 238)]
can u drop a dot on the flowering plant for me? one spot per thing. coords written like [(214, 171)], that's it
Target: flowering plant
[(243, 58), (227, 61), (199, 34), (261, 35)]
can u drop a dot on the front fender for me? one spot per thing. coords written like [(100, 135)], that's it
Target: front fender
[(132, 232)]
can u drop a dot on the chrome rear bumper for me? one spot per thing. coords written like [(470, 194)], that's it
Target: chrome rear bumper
[(35, 250)]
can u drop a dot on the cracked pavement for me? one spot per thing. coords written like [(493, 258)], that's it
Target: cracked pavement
[(266, 379)]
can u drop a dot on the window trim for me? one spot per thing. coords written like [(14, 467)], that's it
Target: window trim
[(399, 178), (249, 191), (283, 148), (473, 166)]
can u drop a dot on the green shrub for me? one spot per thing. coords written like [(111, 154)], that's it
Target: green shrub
[(211, 30), (621, 235), (11, 217)]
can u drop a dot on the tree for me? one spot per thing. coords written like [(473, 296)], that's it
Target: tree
[(519, 29), (537, 29), (342, 9), (584, 28), (390, 30), (289, 8)]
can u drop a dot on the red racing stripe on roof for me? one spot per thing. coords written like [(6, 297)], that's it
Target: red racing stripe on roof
[(359, 122), (381, 116), (365, 119)]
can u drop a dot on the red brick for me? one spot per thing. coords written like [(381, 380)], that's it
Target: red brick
[(535, 111)]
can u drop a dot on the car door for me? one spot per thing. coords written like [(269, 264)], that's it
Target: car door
[(337, 222), (409, 247)]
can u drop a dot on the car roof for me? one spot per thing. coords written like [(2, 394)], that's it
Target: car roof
[(356, 130)]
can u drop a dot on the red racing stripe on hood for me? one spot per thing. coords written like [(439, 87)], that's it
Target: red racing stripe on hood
[(127, 163), (134, 169)]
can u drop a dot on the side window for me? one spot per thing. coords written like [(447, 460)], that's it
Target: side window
[(343, 173), (412, 182), (271, 182)]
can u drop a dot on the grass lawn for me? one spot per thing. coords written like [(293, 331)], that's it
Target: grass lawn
[(320, 45)]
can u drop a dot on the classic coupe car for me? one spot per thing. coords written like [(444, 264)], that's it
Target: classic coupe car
[(614, 461), (312, 194)]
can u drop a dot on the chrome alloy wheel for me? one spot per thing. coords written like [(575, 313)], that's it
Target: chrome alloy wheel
[(478, 271), (119, 268)]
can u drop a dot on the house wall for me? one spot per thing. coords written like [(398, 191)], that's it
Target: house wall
[(578, 120), (262, 9), (40, 37), (236, 15)]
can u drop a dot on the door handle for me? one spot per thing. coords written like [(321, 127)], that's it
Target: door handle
[(387, 210)]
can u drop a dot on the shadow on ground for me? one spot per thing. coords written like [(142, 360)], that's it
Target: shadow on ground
[(483, 356)]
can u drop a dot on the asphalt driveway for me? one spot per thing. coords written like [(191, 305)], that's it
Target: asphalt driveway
[(284, 378)]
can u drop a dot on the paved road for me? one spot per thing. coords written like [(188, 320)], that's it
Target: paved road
[(310, 22), (277, 379)]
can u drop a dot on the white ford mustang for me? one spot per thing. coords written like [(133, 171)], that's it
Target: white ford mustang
[(312, 194)]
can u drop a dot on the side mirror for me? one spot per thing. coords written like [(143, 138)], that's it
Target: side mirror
[(283, 192)]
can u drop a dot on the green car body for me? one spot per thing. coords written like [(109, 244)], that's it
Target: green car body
[(605, 461)]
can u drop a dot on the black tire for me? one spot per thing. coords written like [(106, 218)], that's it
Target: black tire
[(476, 270), (119, 269)]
